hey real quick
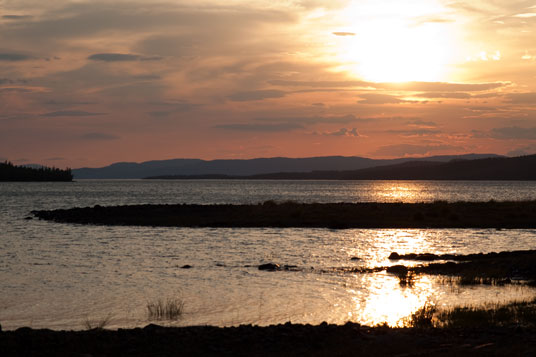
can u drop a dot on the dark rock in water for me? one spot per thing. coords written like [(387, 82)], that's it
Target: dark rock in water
[(399, 270), (269, 267), (394, 256), (355, 258), (220, 264), (28, 218), (186, 266), (290, 267)]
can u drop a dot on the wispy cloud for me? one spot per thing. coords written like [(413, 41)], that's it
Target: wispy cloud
[(14, 57), (71, 113), (16, 17), (343, 132), (379, 98), (98, 136), (514, 132), (521, 98), (257, 95), (342, 33), (255, 127), (401, 150), (121, 57)]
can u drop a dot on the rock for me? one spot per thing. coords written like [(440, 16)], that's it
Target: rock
[(394, 256), (355, 258), (269, 267), (186, 266), (28, 218), (290, 267), (399, 270)]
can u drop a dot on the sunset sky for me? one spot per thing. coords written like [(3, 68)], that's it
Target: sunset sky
[(89, 83)]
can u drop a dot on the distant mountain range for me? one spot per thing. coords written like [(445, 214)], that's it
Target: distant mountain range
[(279, 165), (496, 168)]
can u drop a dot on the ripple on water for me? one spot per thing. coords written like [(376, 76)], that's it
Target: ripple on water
[(58, 275)]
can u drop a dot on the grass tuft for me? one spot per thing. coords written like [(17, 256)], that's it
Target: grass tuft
[(97, 324), (423, 317), (170, 309)]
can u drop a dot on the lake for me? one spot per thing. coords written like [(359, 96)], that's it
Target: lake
[(61, 275)]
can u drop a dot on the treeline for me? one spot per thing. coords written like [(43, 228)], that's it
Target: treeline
[(10, 172)]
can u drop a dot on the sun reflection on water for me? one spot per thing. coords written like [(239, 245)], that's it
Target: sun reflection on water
[(388, 301), (402, 191)]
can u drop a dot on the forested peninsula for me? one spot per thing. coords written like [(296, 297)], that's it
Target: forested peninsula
[(11, 172)]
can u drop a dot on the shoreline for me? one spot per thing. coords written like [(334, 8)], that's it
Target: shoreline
[(276, 340), (439, 214)]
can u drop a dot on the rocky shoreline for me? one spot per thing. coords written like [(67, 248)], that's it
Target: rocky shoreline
[(516, 214), (277, 340)]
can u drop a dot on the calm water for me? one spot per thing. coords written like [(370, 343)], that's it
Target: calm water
[(60, 275)]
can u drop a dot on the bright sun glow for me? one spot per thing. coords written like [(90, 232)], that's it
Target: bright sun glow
[(396, 41)]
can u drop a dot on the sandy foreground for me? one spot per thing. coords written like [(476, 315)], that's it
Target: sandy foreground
[(279, 340)]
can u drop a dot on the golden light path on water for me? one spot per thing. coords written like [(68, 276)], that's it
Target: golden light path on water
[(392, 300)]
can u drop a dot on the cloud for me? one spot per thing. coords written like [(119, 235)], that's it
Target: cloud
[(13, 57), (256, 95), (412, 149), (526, 15), (16, 17), (15, 90), (343, 132), (414, 132), (422, 124), (325, 84), (121, 57), (513, 132), (171, 108), (523, 150), (440, 86), (342, 33), (454, 95), (405, 86), (421, 20), (55, 159), (71, 113), (98, 136), (343, 119), (279, 127), (521, 98), (377, 98)]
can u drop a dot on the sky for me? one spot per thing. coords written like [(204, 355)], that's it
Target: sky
[(89, 83)]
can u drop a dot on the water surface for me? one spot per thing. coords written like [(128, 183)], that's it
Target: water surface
[(60, 275)]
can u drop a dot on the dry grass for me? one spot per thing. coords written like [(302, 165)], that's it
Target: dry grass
[(98, 324), (169, 309), (518, 313)]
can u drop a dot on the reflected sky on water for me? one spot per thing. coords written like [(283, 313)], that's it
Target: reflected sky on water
[(59, 275)]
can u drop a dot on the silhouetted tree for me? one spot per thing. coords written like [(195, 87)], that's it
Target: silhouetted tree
[(10, 172)]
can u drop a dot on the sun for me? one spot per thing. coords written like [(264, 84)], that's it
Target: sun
[(394, 42)]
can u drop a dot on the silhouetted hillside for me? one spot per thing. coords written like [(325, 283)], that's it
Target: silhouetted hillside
[(188, 167), (498, 168), (10, 172)]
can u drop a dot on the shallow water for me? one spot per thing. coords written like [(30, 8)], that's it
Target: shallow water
[(60, 275)]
